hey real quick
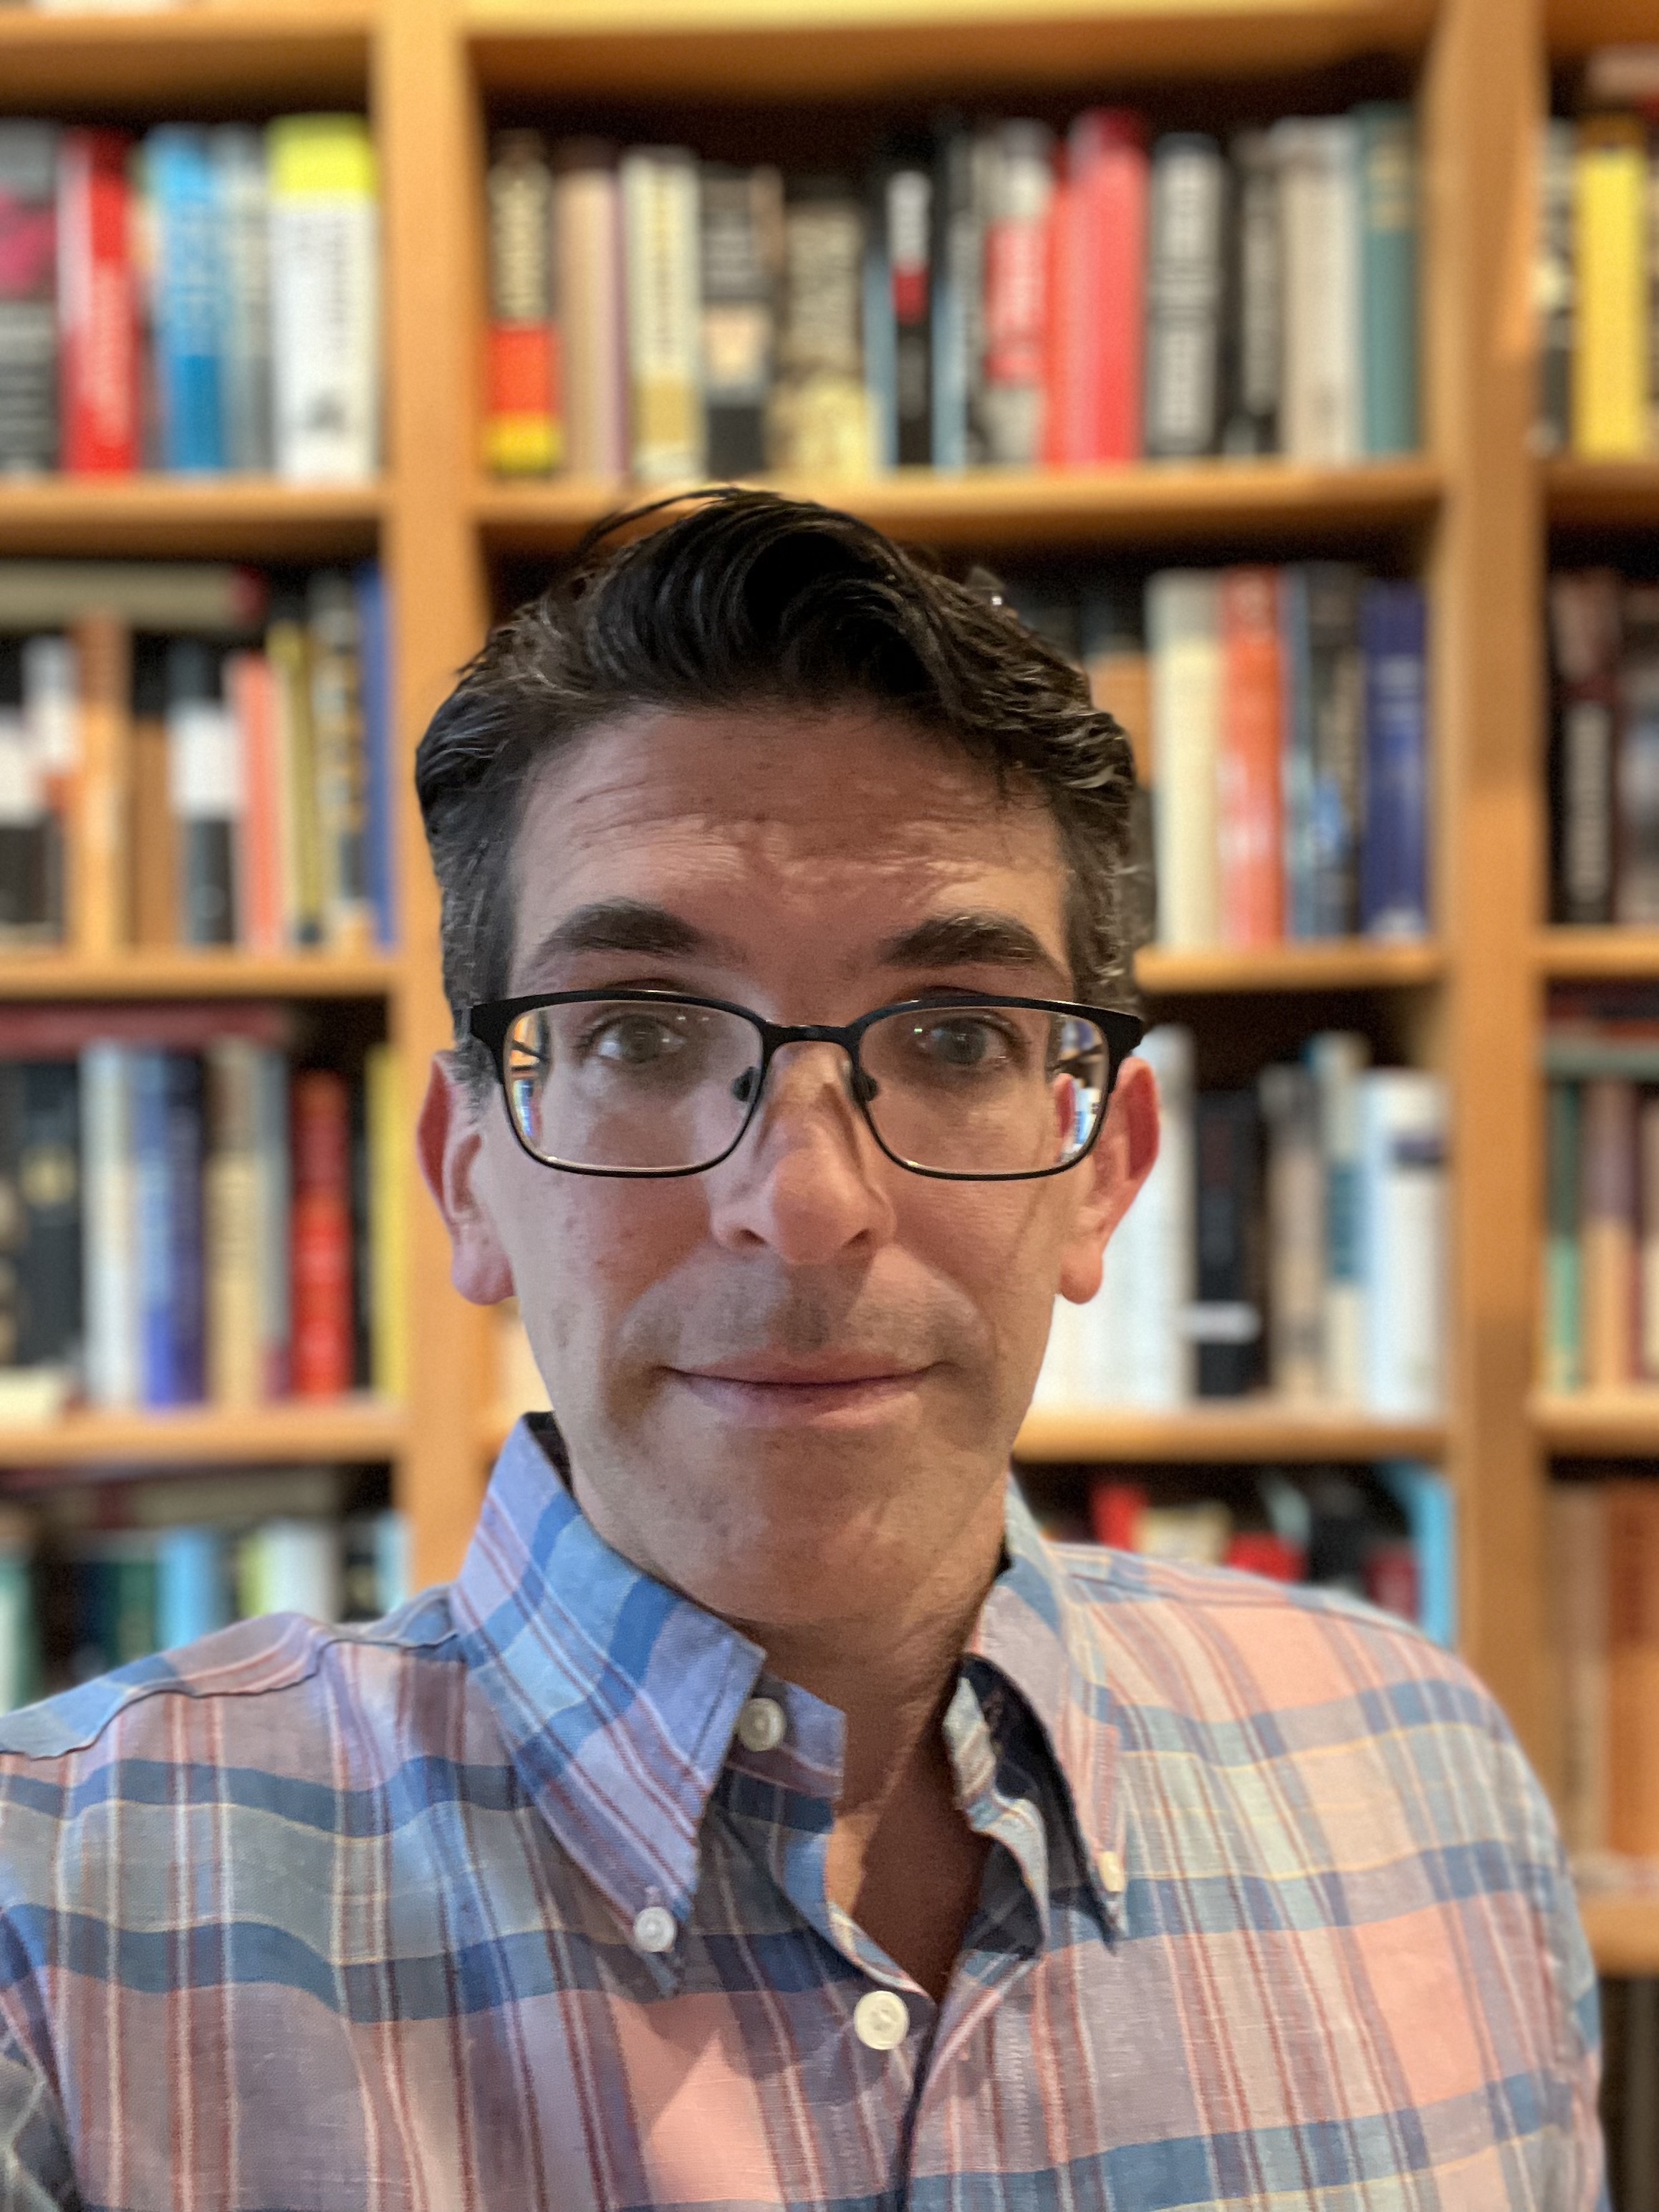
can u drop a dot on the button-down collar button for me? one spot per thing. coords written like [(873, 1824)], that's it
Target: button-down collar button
[(762, 1725), (881, 2020), (1109, 1867), (654, 1929)]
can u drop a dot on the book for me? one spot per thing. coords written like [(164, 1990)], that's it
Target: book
[(1563, 1318), (1224, 1319), (1577, 1536), (233, 1223), (1553, 290), (907, 225), (29, 304), (91, 754), (1584, 638), (1097, 247), (153, 877), (289, 650), (325, 298), (1336, 681), (1389, 188), (1184, 276), (1113, 653), (50, 1304), (193, 1585), (1249, 826), (187, 291), (1609, 365), (273, 1178), (99, 393), (1337, 1059), (1403, 1116), (1184, 635), (818, 418), (205, 774), (1253, 321), (1632, 1662), (1608, 1231), (388, 1130), (168, 1228), (524, 426), (341, 768), (741, 247), (587, 231), (956, 302), (1394, 889), (206, 599), (1020, 181), (110, 1290), (1140, 1350), (29, 912), (290, 1566), (380, 749), (1295, 1195), (661, 316), (242, 183), (260, 920), (1320, 402), (19, 1635), (1636, 775), (52, 790), (322, 1240)]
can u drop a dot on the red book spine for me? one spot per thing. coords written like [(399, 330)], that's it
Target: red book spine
[(1115, 1511), (251, 689), (1064, 419), (1108, 159), (1251, 831), (322, 1332), (97, 306)]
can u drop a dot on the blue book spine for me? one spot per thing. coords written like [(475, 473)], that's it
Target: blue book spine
[(186, 1267), (1301, 857), (152, 1234), (1394, 875), (185, 198), (379, 743), (192, 1586), (1424, 1497), (1388, 276)]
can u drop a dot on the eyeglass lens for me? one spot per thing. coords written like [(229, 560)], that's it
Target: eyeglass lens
[(964, 1090)]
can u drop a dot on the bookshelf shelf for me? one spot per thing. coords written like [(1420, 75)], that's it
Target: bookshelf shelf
[(1623, 1933), (845, 48), (1571, 28), (182, 974), (1344, 964), (351, 1428), (155, 516), (1571, 954), (1602, 494), (1250, 1429), (1615, 1424), (1001, 508), (229, 58)]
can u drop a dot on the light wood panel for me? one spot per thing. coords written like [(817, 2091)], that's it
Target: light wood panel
[(1233, 1429), (353, 1428), (1341, 964), (1623, 1933), (1271, 501), (1584, 955), (1603, 494), (236, 60), (1598, 1424), (814, 49), (1573, 27), (161, 517), (205, 975)]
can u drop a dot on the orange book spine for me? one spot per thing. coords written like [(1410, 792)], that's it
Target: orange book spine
[(250, 689), (1608, 1233), (1250, 830), (98, 863), (1632, 1586), (322, 1284)]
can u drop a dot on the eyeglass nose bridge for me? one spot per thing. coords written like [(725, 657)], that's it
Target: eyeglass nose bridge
[(751, 1086)]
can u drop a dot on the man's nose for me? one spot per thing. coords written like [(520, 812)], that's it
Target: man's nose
[(807, 1178)]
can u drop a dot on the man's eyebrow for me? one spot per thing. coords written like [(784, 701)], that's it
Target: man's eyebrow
[(625, 925), (976, 938)]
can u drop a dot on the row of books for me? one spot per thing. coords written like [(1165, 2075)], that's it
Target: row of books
[(230, 786), (186, 1215), (1279, 720), (1604, 748), (196, 300), (1600, 1286), (1604, 1550), (989, 294), (96, 1577), (1290, 1236), (1387, 1532)]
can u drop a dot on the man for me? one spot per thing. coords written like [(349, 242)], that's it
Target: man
[(768, 1816)]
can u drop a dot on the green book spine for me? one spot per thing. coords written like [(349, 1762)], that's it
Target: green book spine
[(1388, 276), (1564, 1362)]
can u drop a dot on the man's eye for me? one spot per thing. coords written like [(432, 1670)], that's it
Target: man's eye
[(963, 1044), (634, 1041)]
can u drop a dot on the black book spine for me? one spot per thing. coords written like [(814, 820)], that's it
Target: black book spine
[(909, 256), (49, 1179), (1227, 1314), (28, 295), (740, 220)]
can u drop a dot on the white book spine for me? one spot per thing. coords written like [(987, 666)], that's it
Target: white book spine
[(325, 318), (1153, 1271), (1183, 629), (109, 1269), (1402, 1117), (661, 259), (1319, 204), (1337, 1059), (587, 223), (300, 1572)]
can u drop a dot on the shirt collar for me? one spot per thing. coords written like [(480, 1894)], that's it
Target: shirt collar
[(618, 1699)]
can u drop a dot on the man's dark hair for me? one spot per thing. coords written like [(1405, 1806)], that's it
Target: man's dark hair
[(747, 600)]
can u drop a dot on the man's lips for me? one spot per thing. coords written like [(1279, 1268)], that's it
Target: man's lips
[(801, 1374)]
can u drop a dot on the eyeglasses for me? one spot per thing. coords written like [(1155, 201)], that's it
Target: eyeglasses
[(659, 1082)]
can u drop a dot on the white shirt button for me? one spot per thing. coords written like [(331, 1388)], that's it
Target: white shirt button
[(762, 1725), (654, 1929), (1109, 1867), (881, 2020)]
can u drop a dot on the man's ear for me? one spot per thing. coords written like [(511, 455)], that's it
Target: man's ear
[(449, 1139), (1120, 1163)]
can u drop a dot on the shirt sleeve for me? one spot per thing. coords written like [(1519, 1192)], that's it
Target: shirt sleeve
[(36, 2173)]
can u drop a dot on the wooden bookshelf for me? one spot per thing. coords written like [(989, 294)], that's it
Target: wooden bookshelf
[(1602, 494), (1274, 501), (352, 1429), (204, 974), (1232, 1429), (215, 59), (1598, 955), (1623, 1933), (1341, 964), (166, 517), (1598, 1424)]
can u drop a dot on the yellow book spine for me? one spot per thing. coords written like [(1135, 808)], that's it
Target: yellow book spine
[(1610, 352), (389, 1143)]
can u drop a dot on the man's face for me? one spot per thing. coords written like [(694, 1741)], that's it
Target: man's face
[(787, 1384)]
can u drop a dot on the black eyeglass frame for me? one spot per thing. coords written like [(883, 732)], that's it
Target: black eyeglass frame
[(491, 1021)]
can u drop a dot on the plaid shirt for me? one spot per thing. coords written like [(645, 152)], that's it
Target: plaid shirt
[(492, 1904)]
